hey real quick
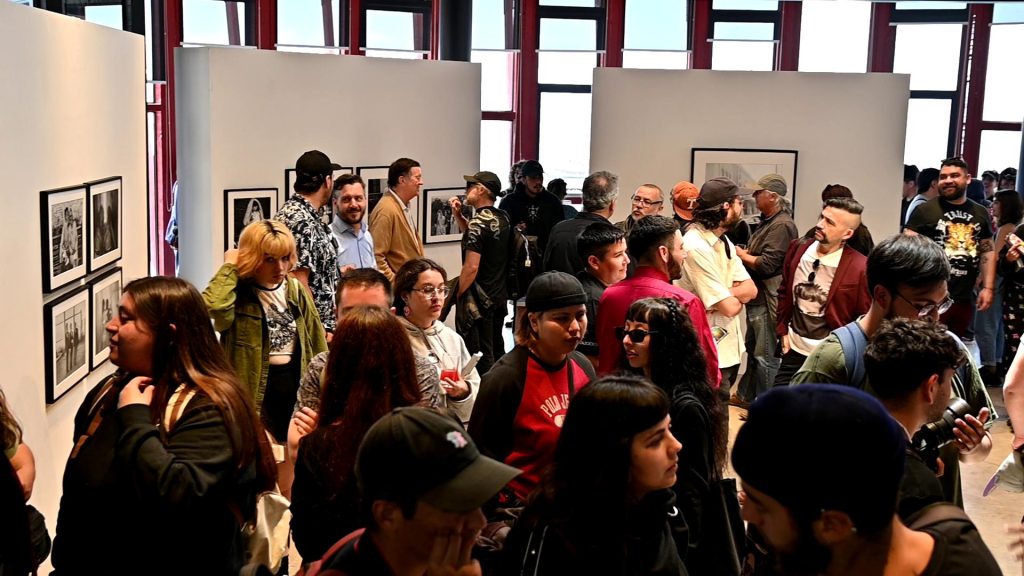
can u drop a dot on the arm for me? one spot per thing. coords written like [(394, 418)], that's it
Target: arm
[(302, 275), (470, 267), (784, 311), (826, 365), (307, 404), (456, 205), (744, 291), (708, 282), (463, 407), (494, 412), (699, 318), (773, 251), (988, 274), (24, 464), (1013, 395), (220, 295)]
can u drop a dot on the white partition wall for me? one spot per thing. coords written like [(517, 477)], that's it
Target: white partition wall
[(244, 116), (72, 110), (848, 129)]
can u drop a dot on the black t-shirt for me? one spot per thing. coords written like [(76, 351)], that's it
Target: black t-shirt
[(959, 229), (540, 213), (488, 236), (918, 488), (959, 551)]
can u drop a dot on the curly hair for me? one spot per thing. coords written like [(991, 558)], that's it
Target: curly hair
[(904, 353)]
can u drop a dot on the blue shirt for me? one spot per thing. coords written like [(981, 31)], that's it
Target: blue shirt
[(354, 248)]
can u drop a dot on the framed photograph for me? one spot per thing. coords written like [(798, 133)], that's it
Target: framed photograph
[(104, 222), (104, 295), (744, 167), (439, 223), (64, 218), (66, 325), (243, 206), (376, 179)]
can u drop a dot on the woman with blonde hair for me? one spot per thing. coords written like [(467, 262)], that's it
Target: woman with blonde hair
[(268, 324)]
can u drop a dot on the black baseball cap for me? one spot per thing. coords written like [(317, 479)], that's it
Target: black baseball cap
[(313, 167), (532, 169), (419, 454), (553, 290), (488, 180), (719, 191)]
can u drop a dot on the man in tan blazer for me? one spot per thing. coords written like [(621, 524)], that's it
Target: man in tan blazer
[(394, 235)]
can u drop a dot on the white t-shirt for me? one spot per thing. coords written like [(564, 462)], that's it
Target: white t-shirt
[(280, 321), (808, 328)]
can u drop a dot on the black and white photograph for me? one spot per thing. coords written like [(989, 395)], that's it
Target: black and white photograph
[(745, 167), (66, 328), (63, 222), (439, 223), (104, 296), (243, 206), (104, 222)]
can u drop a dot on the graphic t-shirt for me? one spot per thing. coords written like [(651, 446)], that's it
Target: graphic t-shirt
[(280, 320), (960, 230), (811, 284), (488, 236)]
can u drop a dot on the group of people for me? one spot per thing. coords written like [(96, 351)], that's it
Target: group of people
[(597, 444)]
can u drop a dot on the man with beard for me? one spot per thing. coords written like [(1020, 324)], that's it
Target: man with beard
[(355, 244), (714, 272), (823, 287), (647, 200), (657, 245), (532, 208), (964, 230), (830, 507)]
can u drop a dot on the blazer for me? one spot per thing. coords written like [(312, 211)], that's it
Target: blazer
[(848, 297), (394, 240)]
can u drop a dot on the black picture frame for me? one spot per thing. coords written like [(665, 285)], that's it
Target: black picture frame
[(243, 206), (67, 353), (104, 296), (105, 238), (63, 222), (438, 213), (745, 166)]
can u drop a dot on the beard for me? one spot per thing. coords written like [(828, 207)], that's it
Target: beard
[(954, 192), (352, 217), (807, 558), (675, 270)]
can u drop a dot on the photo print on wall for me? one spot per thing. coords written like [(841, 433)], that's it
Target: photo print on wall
[(376, 179), (439, 223), (745, 167), (65, 327), (104, 222), (63, 222), (104, 297), (243, 206)]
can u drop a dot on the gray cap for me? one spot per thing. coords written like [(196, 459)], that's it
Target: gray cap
[(773, 183)]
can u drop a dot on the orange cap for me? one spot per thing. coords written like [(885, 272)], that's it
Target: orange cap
[(684, 198)]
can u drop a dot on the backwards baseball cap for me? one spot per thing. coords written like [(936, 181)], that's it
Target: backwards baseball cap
[(553, 290), (419, 454), (719, 191), (684, 197), (773, 183), (488, 180), (850, 457), (532, 169), (1010, 172), (313, 167)]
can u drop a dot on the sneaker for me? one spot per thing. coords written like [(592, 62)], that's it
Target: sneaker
[(735, 400)]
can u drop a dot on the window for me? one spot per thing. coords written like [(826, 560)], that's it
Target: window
[(213, 22), (745, 5), (302, 24), (105, 15), (932, 5), (495, 79), (930, 53), (657, 34), (493, 40), (496, 147), (1004, 84), (565, 136), (999, 149), (396, 29), (927, 132), (834, 36), (576, 3), (744, 34), (574, 43)]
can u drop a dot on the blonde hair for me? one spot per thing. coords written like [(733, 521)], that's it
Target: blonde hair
[(262, 239)]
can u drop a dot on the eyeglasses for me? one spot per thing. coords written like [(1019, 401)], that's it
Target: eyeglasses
[(929, 309), (635, 335), (814, 271), (644, 201), (429, 292)]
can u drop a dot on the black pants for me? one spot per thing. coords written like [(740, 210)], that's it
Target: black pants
[(487, 337), (791, 363), (279, 397)]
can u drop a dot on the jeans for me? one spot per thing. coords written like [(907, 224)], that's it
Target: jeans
[(988, 329), (790, 365), (761, 361)]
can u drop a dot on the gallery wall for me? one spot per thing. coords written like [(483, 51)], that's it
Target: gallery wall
[(76, 113), (848, 129), (244, 116)]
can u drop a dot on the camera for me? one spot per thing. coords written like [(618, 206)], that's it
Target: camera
[(934, 435)]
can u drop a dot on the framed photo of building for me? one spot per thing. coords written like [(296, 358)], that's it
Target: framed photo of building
[(439, 223), (243, 206), (104, 296), (104, 222), (66, 330), (744, 167), (64, 219)]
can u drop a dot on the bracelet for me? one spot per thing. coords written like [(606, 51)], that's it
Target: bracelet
[(987, 288)]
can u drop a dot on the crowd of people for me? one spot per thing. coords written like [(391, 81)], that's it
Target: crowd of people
[(318, 362)]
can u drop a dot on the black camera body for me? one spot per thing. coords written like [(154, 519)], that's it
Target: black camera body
[(932, 436)]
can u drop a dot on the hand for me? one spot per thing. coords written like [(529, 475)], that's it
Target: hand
[(306, 420), (970, 431), (456, 204), (742, 252), (450, 554), (231, 256), (1016, 540), (455, 389), (785, 343), (984, 299), (138, 391), (328, 336)]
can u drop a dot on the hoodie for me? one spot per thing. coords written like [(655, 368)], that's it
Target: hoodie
[(434, 342)]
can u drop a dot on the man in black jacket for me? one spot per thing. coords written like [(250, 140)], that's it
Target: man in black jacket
[(599, 192)]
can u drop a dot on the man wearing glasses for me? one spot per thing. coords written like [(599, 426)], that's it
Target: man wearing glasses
[(647, 200), (823, 286)]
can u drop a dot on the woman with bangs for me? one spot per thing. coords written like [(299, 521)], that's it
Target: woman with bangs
[(268, 325)]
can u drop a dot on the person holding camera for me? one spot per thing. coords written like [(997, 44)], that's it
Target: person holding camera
[(910, 365)]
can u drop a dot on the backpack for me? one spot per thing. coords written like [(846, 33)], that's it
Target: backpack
[(524, 261), (854, 343)]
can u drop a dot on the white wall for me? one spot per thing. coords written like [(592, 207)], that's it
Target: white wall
[(246, 115), (848, 128), (72, 109)]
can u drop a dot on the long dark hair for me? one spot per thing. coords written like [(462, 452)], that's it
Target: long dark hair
[(678, 364), (1011, 208), (586, 494), (370, 370)]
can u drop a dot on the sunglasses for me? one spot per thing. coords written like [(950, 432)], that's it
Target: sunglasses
[(814, 271), (635, 335)]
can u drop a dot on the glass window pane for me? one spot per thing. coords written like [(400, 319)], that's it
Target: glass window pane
[(565, 136), (655, 25), (496, 147), (1004, 85), (1008, 13), (999, 149), (930, 53), (743, 56), (745, 5), (744, 31), (109, 16), (927, 132), (495, 79), (578, 3), (562, 34), (489, 25), (566, 67), (655, 60), (932, 5), (389, 30), (301, 22), (148, 9), (395, 54), (206, 21), (834, 36)]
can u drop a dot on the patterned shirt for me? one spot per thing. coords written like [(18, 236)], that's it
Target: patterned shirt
[(317, 252)]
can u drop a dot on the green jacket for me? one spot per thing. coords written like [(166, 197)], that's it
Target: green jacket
[(238, 316)]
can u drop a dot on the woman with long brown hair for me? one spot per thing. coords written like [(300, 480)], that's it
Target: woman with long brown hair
[(370, 371), (167, 450)]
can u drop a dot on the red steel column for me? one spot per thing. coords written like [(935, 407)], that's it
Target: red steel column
[(615, 33), (700, 56), (979, 33), (528, 97), (882, 41), (789, 38)]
